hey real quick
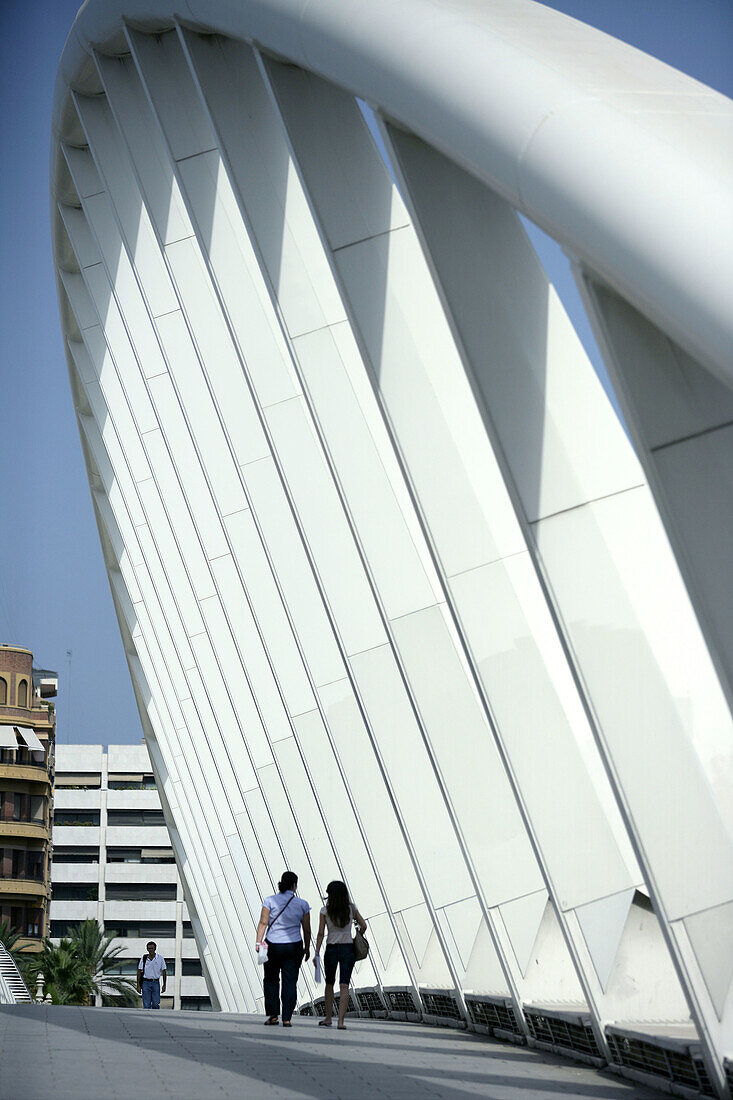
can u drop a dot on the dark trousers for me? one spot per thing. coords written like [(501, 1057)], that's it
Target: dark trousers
[(285, 957)]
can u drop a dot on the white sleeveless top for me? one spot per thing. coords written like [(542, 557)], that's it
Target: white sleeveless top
[(336, 934)]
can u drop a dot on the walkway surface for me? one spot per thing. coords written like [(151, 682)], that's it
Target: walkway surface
[(59, 1053)]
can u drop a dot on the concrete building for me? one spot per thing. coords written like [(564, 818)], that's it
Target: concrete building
[(401, 600), (27, 735), (113, 862)]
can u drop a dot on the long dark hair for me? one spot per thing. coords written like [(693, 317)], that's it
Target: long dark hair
[(338, 905), (289, 881)]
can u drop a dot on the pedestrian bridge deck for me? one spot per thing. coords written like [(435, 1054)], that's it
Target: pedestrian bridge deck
[(67, 1053)]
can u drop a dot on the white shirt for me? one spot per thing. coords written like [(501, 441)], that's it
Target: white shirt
[(153, 967), (334, 934), (286, 929)]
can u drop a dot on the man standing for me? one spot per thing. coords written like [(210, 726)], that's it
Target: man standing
[(149, 971)]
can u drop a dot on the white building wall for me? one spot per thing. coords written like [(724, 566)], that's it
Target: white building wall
[(96, 765), (395, 595)]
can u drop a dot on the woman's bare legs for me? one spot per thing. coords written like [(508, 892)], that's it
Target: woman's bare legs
[(343, 1004), (328, 1002)]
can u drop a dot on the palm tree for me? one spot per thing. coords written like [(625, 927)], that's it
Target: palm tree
[(67, 978), (100, 959)]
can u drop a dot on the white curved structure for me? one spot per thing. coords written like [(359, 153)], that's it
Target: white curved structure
[(396, 597)]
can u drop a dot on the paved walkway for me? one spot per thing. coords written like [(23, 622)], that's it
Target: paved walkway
[(58, 1053)]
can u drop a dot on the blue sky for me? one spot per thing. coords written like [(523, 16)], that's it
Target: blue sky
[(54, 594)]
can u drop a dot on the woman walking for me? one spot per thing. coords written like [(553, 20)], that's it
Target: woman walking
[(337, 916), (281, 920)]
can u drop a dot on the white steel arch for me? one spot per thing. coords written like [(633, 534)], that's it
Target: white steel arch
[(396, 597)]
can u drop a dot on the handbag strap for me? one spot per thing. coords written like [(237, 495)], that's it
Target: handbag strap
[(270, 924)]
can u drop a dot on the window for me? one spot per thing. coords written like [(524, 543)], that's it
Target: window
[(78, 781), (23, 693), (76, 817), (150, 930), (3, 692), (75, 891), (80, 854), (191, 967), (141, 891), (187, 930), (196, 1004), (140, 855), (131, 783), (135, 817), (62, 928), (126, 967)]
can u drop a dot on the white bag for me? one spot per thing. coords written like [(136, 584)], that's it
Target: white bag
[(319, 974), (262, 953)]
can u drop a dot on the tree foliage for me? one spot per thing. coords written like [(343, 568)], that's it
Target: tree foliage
[(76, 969)]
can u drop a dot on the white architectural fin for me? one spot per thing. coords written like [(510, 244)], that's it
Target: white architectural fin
[(711, 935), (522, 918), (602, 924), (419, 927)]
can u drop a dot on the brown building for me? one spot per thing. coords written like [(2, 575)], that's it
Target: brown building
[(27, 733)]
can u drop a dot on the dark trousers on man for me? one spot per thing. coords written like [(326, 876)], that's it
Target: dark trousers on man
[(285, 957)]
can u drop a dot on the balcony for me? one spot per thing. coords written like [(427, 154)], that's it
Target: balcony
[(23, 887), (27, 770), (33, 830)]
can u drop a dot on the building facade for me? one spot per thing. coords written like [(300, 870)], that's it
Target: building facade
[(27, 745), (401, 602), (113, 862)]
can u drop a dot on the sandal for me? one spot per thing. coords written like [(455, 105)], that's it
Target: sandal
[(342, 1027), (324, 1023), (272, 1022), (286, 1023)]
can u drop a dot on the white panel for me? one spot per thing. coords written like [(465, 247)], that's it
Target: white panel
[(79, 298), (85, 175), (133, 114), (259, 671), (237, 700), (383, 532), (131, 302), (170, 86), (419, 925), (411, 774), (124, 194), (306, 813), (464, 747), (80, 236), (217, 352), (696, 476), (528, 695), (522, 918), (338, 811), (180, 518), (602, 923), (612, 579), (420, 378), (293, 571), (325, 527), (357, 208), (370, 795), (205, 424), (267, 183), (268, 612), (463, 921), (559, 435), (234, 266), (711, 935)]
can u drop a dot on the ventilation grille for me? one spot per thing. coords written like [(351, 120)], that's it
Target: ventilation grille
[(306, 1010), (728, 1067), (369, 1001), (443, 1005), (559, 1031), (494, 1013), (320, 1006), (401, 1000), (679, 1066)]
